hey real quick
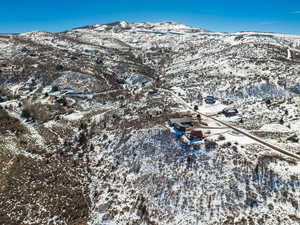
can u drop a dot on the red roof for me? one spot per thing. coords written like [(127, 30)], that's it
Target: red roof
[(196, 133)]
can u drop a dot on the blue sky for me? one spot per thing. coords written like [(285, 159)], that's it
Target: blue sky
[(216, 15)]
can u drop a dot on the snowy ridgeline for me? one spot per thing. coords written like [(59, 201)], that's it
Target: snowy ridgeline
[(150, 176)]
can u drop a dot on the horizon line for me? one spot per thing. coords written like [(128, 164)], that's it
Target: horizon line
[(119, 21)]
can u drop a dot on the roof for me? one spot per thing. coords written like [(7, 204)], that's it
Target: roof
[(197, 133), (185, 122), (231, 110), (210, 97), (182, 120), (197, 129)]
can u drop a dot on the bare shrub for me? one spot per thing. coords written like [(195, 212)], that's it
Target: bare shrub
[(41, 113), (10, 124), (5, 94), (35, 113), (209, 144), (221, 138)]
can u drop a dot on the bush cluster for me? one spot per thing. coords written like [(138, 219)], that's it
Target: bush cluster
[(11, 124), (35, 112), (41, 112)]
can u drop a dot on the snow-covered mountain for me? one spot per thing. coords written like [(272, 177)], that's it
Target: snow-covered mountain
[(86, 136)]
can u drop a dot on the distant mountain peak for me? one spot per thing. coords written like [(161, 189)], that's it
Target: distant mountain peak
[(117, 23)]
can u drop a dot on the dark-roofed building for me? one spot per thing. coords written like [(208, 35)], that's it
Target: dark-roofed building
[(182, 123), (230, 112)]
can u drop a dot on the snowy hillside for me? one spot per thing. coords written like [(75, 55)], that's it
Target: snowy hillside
[(149, 123)]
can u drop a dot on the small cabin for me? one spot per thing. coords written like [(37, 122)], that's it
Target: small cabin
[(210, 100), (230, 112)]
